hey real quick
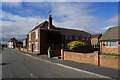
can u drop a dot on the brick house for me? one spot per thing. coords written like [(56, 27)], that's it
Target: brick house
[(95, 39), (110, 41), (12, 43), (47, 35)]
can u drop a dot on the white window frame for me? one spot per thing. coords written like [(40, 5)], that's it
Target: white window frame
[(29, 37), (29, 46), (82, 37), (36, 35), (68, 37), (36, 46), (109, 44)]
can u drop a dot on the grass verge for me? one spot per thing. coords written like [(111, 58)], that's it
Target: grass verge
[(110, 54)]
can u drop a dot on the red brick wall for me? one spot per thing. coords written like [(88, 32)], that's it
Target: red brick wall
[(32, 41), (95, 58), (105, 50), (110, 61), (94, 41), (79, 57)]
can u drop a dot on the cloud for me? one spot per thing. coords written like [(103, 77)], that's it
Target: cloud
[(112, 21), (60, 0), (65, 15), (19, 28), (13, 4), (76, 16)]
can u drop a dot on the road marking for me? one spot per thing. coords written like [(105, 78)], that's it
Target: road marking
[(80, 70)]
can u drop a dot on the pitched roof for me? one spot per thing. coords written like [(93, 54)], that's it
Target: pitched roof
[(73, 32), (62, 30), (13, 40), (42, 25), (96, 36), (112, 34)]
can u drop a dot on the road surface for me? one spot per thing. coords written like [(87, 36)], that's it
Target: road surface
[(17, 65)]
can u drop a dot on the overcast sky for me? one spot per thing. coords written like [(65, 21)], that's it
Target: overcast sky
[(18, 18)]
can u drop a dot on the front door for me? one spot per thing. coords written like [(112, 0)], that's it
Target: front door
[(32, 48)]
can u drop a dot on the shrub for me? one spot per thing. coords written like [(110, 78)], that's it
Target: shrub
[(74, 45), (98, 43)]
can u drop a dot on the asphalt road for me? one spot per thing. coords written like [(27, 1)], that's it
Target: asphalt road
[(17, 65)]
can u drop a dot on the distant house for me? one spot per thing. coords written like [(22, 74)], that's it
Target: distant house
[(25, 43), (95, 39), (12, 43), (110, 41), (46, 35)]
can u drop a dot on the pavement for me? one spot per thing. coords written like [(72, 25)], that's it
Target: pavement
[(112, 73), (86, 70)]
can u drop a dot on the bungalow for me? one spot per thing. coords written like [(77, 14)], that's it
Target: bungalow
[(46, 35), (110, 41), (95, 39)]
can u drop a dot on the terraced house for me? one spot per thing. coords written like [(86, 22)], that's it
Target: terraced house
[(46, 35)]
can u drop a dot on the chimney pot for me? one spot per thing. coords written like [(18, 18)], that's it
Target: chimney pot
[(50, 22)]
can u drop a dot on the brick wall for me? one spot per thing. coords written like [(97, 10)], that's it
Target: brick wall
[(32, 41), (110, 61), (106, 50), (80, 57), (95, 59), (94, 41)]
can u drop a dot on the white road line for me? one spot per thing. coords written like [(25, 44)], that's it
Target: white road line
[(102, 76)]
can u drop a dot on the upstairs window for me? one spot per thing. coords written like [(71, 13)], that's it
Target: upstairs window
[(68, 37), (82, 37), (36, 35), (29, 37), (76, 37)]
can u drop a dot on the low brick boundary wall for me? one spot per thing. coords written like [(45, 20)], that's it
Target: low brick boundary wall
[(110, 61), (95, 59), (91, 58)]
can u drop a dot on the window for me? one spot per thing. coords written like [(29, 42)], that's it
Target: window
[(36, 35), (29, 37), (83, 37), (68, 37), (36, 46), (112, 44), (87, 38), (29, 46), (76, 37)]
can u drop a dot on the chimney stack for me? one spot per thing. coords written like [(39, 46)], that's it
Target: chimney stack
[(50, 22)]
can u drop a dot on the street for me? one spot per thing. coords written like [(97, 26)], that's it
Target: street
[(17, 65)]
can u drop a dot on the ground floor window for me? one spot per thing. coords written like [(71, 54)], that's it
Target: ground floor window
[(111, 44), (36, 46), (29, 46)]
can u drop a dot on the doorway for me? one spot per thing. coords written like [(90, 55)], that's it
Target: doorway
[(32, 48)]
